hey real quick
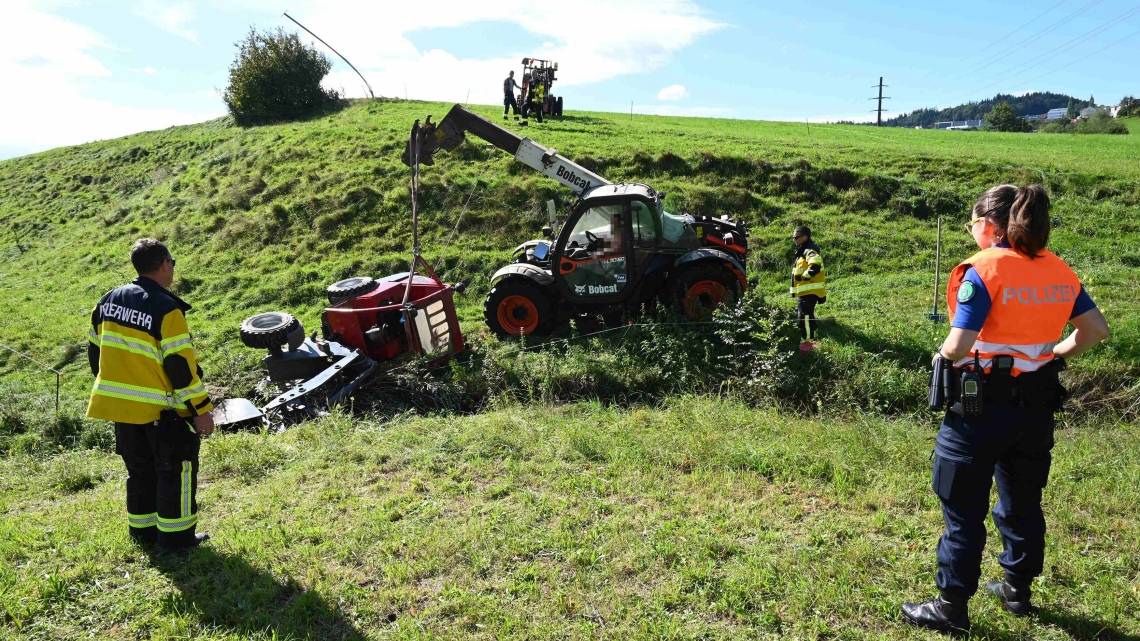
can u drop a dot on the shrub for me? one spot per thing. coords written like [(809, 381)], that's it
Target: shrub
[(1003, 118), (275, 78), (1101, 123)]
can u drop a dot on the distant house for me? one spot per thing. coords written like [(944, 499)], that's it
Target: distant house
[(1088, 111), (1114, 110), (1056, 114)]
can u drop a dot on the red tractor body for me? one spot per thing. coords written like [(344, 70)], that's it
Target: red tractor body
[(375, 323)]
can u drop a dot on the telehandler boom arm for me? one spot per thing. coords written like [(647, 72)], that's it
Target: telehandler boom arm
[(449, 134)]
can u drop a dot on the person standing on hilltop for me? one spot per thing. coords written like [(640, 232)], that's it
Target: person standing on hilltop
[(1010, 302), (509, 88), (809, 284), (148, 382)]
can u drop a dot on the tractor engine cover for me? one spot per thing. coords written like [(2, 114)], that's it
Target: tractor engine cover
[(378, 333)]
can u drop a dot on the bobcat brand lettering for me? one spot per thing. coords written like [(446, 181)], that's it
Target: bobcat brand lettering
[(602, 289), (1039, 295), (125, 315), (574, 178)]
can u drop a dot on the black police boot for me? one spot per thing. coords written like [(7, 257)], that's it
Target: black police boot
[(944, 614), (1014, 598)]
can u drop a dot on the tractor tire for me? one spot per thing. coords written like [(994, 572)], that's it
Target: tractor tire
[(558, 108), (349, 288), (700, 289), (517, 307), (272, 329)]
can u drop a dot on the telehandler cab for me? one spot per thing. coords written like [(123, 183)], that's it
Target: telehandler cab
[(617, 253)]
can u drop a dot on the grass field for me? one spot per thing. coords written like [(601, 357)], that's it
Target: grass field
[(699, 520), (628, 486)]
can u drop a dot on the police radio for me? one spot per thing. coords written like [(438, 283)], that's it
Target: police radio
[(971, 386)]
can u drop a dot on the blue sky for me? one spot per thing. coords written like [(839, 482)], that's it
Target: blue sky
[(82, 71)]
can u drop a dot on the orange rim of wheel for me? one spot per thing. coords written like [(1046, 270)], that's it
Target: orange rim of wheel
[(518, 315), (703, 296)]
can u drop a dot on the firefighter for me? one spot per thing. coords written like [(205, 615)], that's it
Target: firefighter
[(148, 382), (1010, 303), (538, 97), (809, 284)]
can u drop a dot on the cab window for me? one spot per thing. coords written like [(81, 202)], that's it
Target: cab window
[(644, 224)]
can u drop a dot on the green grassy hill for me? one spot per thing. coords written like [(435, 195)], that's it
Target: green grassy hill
[(562, 520)]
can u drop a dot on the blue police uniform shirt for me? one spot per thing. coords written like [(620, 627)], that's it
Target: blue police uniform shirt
[(971, 314)]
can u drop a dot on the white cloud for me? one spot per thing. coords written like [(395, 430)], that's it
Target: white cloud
[(172, 17), (672, 92), (52, 60), (617, 39)]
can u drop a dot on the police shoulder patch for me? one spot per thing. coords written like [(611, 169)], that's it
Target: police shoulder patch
[(966, 291)]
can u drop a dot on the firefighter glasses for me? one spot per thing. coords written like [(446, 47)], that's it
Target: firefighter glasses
[(970, 225)]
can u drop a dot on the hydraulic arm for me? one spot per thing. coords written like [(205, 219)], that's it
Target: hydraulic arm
[(449, 134)]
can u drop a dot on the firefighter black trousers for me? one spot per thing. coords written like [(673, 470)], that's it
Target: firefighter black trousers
[(162, 479), (1011, 445), (805, 315)]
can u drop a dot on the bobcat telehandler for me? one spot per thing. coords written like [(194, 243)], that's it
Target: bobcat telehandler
[(617, 253)]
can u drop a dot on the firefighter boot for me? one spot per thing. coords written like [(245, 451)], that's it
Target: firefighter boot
[(944, 614), (1014, 598)]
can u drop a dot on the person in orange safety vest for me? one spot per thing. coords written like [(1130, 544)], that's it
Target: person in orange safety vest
[(1010, 303)]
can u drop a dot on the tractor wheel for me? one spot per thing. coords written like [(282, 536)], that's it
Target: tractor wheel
[(700, 289), (348, 288), (272, 329), (516, 307), (558, 108)]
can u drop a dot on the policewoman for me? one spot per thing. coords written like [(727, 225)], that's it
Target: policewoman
[(148, 382), (1010, 303)]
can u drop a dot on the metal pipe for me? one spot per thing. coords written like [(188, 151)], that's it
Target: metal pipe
[(372, 95)]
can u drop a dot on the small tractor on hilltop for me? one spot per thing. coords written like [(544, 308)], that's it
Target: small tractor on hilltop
[(538, 73), (617, 253)]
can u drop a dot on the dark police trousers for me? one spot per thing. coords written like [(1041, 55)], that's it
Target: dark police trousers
[(805, 315), (1011, 444), (162, 479)]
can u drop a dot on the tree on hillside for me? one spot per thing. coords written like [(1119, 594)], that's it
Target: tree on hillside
[(275, 77), (1073, 111), (1003, 118), (1129, 106)]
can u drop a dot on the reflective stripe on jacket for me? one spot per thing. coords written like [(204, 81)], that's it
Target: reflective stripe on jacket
[(142, 355), (808, 274), (1031, 300)]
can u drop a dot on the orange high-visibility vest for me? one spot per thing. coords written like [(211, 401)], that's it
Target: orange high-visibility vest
[(1031, 300)]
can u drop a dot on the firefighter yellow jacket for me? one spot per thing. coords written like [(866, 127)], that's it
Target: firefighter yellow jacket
[(142, 355), (808, 275)]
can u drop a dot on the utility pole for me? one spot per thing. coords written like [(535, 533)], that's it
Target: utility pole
[(881, 98)]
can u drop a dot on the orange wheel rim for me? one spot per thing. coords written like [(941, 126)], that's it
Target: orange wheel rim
[(703, 296), (518, 315)]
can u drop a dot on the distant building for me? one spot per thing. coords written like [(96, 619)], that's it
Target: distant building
[(1056, 114), (959, 124), (1114, 110), (1088, 111)]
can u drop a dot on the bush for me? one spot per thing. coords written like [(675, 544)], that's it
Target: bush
[(1058, 127), (275, 78), (1003, 118), (1101, 123)]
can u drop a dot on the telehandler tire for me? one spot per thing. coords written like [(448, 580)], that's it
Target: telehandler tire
[(343, 290), (701, 288), (272, 329), (517, 307)]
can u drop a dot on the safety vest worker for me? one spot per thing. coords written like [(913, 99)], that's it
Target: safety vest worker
[(1010, 303), (809, 284), (148, 382)]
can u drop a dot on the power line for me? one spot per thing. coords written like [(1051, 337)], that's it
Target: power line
[(1009, 35), (1050, 29), (1086, 57), (1037, 60)]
